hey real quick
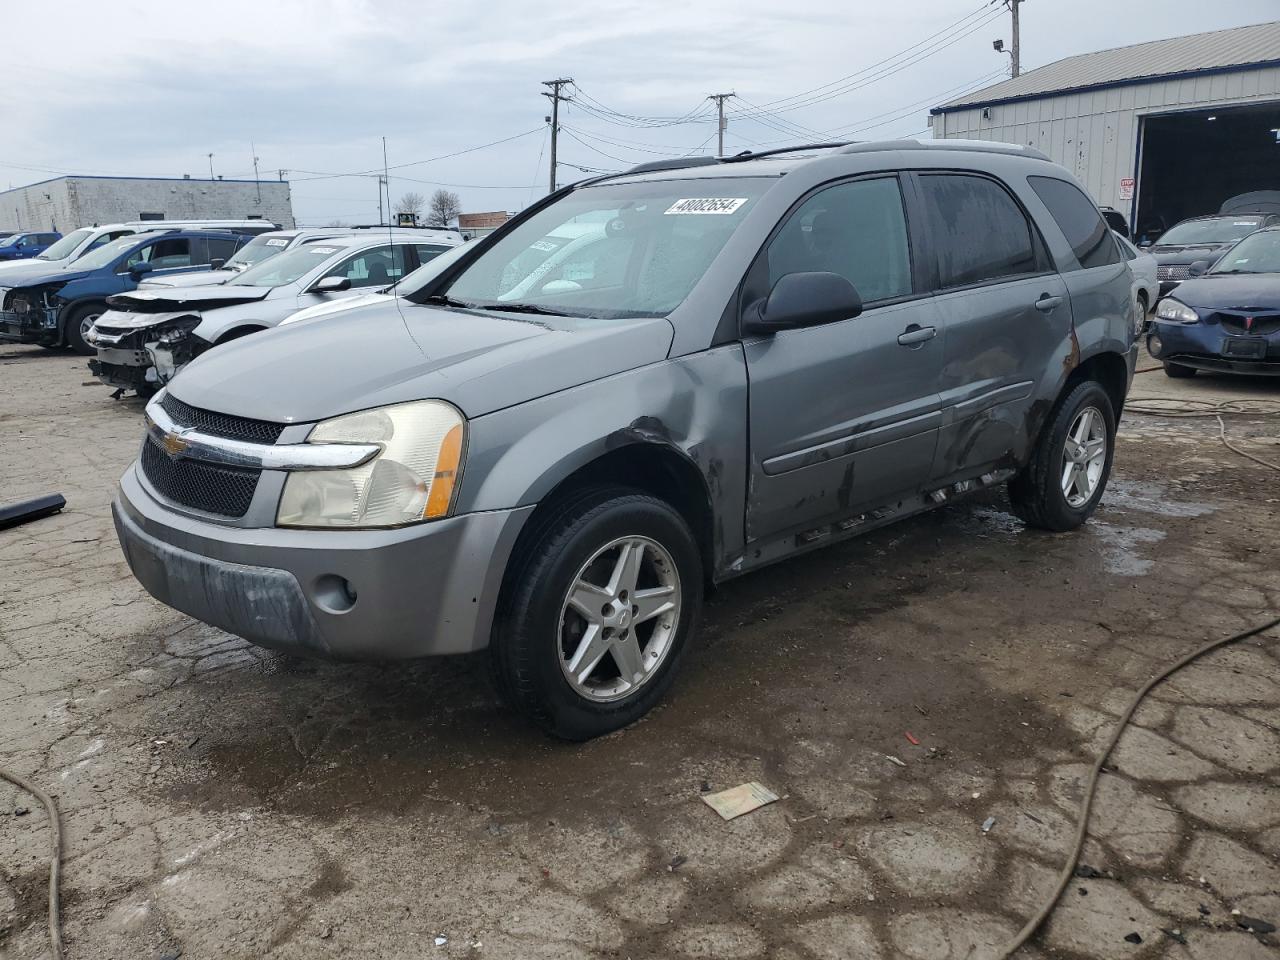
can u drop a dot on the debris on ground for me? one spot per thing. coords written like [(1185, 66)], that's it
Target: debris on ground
[(1133, 937), (911, 738), (894, 760), (1174, 935), (21, 811), (441, 941), (1086, 872), (676, 863), (738, 800), (987, 824), (1255, 926)]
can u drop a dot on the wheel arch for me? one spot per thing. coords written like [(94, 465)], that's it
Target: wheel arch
[(1108, 368), (240, 330)]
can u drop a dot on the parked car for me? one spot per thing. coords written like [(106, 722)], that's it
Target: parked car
[(79, 242), (1116, 221), (1146, 282), (1201, 238), (266, 245), (57, 305), (1256, 201), (22, 246), (764, 355), (147, 336), (1226, 317)]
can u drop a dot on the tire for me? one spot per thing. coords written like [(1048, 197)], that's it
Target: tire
[(538, 631), (1177, 371), (1038, 491), (1142, 313), (78, 322)]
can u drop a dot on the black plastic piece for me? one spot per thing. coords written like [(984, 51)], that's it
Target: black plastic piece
[(749, 155), (27, 510), (678, 163)]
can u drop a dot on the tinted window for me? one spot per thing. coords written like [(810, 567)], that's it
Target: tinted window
[(163, 254), (857, 230), (372, 268), (980, 233), (220, 249), (1079, 220)]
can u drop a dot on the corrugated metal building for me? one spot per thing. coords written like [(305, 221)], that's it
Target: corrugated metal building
[(66, 203), (1160, 131)]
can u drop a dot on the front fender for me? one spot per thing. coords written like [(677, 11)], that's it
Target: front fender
[(695, 405)]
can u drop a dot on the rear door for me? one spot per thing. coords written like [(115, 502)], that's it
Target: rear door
[(1005, 311), (843, 416)]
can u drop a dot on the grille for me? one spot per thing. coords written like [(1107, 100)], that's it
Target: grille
[(221, 424), (1261, 327), (226, 491), (1173, 271)]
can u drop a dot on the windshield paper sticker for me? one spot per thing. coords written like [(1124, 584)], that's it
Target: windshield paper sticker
[(717, 205), (320, 251), (277, 242)]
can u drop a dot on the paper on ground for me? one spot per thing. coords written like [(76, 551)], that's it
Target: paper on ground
[(738, 800)]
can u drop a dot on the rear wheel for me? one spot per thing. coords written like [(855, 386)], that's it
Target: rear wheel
[(602, 601), (1178, 371), (1061, 486), (78, 323), (1142, 313)]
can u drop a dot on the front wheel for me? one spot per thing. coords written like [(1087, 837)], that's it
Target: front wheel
[(78, 323), (1061, 486), (600, 605)]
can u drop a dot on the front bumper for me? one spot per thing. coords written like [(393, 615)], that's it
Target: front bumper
[(23, 328), (1203, 346), (418, 591)]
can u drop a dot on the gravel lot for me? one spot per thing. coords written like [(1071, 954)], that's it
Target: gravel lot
[(225, 802)]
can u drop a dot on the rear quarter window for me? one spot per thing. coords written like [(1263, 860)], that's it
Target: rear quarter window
[(1079, 220)]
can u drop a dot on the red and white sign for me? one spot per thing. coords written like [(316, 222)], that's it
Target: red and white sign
[(1126, 188)]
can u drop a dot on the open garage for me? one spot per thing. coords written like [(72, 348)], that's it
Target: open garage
[(1160, 131)]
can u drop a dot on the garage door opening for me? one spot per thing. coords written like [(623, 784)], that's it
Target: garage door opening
[(1192, 162)]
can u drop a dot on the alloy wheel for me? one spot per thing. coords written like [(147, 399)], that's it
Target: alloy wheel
[(619, 619), (1084, 456)]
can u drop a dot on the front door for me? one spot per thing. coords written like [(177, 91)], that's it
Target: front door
[(369, 271), (843, 417)]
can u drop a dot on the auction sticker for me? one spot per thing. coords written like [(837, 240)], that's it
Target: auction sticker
[(716, 205), (277, 242)]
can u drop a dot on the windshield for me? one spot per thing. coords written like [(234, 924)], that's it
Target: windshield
[(1213, 230), (108, 252), (1258, 253), (67, 245), (286, 267), (614, 250), (256, 250), (10, 240)]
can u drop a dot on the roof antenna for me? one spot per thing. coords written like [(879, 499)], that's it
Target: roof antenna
[(391, 245)]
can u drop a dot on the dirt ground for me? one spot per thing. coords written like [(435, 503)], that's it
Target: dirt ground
[(225, 802)]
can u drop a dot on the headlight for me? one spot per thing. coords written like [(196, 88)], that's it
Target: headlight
[(413, 479), (1175, 311)]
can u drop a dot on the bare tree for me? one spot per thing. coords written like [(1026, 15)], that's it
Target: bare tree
[(411, 203), (445, 206)]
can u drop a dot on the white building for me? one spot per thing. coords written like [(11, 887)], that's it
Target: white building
[(1160, 131), (65, 203)]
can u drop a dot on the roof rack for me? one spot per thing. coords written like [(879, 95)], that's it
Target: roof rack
[(749, 155), (678, 163), (969, 146)]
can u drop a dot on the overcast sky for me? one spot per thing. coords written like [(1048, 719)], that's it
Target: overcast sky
[(140, 88)]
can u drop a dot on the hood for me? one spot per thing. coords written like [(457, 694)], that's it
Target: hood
[(205, 278), (1188, 253), (13, 268), (1242, 291), (33, 273), (336, 306), (394, 353), (168, 299)]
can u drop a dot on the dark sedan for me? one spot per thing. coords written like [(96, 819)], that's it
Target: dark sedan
[(1226, 317), (1201, 238)]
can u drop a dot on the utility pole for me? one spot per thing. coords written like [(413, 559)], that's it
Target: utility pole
[(381, 182), (720, 98), (1016, 47), (555, 96), (256, 180)]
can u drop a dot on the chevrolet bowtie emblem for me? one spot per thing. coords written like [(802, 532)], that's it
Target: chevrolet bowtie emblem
[(175, 445)]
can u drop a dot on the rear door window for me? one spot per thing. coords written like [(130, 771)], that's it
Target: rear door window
[(1078, 219), (162, 254), (221, 249), (857, 230), (979, 232), (429, 251)]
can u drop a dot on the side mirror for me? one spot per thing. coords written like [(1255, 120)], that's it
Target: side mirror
[(140, 269), (331, 285), (1198, 269), (217, 263), (803, 300)]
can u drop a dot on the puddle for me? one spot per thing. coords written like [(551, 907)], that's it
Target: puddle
[(1119, 547), (1150, 497)]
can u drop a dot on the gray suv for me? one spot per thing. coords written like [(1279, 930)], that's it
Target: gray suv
[(554, 455)]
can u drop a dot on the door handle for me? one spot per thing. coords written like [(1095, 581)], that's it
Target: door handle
[(1047, 303), (916, 334)]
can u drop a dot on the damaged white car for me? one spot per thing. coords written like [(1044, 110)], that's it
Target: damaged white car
[(147, 336)]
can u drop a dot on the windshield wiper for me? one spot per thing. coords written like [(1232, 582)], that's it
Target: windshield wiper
[(443, 300), (520, 308), (1219, 273)]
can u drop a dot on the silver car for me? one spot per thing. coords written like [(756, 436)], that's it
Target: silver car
[(751, 358), (148, 335)]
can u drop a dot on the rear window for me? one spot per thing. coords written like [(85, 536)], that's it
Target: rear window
[(1078, 219), (980, 232)]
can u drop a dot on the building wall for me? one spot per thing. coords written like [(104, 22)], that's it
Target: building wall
[(70, 202), (1095, 133)]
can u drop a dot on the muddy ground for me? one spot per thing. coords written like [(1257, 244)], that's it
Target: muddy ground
[(225, 802)]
